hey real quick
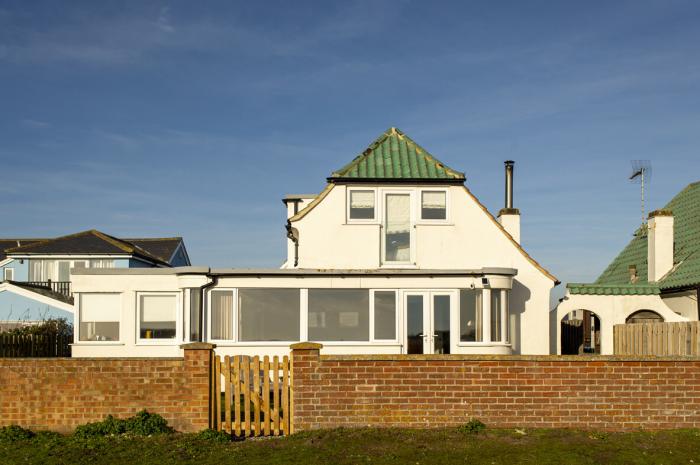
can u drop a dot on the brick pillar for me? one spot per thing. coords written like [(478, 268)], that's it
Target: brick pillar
[(306, 358), (198, 363)]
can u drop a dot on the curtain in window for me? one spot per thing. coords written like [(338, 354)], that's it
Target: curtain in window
[(433, 200), (222, 315), (398, 214), (398, 228), (35, 270), (361, 199)]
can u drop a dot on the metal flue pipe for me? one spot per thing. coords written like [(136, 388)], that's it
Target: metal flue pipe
[(509, 183)]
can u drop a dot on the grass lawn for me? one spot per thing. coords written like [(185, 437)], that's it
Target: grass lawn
[(367, 446)]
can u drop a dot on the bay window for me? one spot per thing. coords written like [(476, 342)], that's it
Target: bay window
[(470, 315)]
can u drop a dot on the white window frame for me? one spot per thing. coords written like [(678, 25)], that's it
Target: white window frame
[(377, 216), (76, 325), (397, 308), (419, 206), (11, 274), (234, 316), (178, 323), (412, 229), (486, 319)]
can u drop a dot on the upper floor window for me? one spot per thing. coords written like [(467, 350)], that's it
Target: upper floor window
[(433, 205), (9, 274), (362, 205)]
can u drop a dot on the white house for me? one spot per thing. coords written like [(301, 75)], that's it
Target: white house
[(395, 255), (655, 278)]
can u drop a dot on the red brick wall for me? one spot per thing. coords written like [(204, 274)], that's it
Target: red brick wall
[(501, 391), (62, 393)]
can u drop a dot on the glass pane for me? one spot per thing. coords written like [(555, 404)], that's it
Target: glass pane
[(434, 205), (99, 316), (64, 271), (222, 315), (157, 319), (496, 322), (268, 315), (397, 239), (385, 315), (441, 324), (338, 315), (195, 322), (99, 331), (470, 315), (361, 205), (414, 324)]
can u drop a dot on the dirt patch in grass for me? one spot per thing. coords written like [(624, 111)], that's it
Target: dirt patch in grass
[(367, 446)]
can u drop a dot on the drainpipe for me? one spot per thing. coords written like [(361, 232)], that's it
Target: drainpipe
[(202, 292), (293, 235)]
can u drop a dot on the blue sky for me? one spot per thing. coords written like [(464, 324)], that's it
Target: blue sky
[(195, 118)]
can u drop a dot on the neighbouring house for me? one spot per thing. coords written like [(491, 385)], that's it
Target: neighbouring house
[(36, 273), (655, 278), (395, 255)]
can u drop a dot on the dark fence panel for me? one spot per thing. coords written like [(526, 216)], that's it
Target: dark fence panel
[(33, 345)]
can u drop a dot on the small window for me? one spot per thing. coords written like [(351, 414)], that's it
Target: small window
[(195, 321), (497, 321), (9, 274), (222, 315), (63, 271), (157, 316), (434, 205), (385, 315), (99, 317), (361, 205), (470, 315), (338, 315), (268, 314)]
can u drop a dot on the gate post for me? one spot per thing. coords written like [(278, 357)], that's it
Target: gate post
[(305, 358), (199, 364)]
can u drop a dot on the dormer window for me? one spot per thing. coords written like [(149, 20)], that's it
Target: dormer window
[(433, 205), (362, 205)]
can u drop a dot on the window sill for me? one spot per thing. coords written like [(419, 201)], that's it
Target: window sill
[(165, 342), (483, 344), (98, 343)]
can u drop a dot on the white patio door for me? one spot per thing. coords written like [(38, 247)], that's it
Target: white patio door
[(428, 320)]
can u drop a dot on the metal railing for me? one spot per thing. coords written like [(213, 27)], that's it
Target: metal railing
[(61, 287)]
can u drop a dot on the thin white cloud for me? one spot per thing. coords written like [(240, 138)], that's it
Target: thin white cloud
[(35, 123)]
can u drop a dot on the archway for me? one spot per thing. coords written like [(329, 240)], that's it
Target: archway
[(580, 333), (644, 316)]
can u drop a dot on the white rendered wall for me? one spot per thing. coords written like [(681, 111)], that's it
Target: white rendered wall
[(611, 310), (470, 239)]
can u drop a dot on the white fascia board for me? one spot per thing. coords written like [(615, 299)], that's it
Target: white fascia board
[(36, 296), (71, 257), (6, 261)]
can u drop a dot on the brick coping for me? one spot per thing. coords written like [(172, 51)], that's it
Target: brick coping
[(509, 358), (94, 359)]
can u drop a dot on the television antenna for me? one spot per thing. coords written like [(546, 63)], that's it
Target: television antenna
[(641, 173)]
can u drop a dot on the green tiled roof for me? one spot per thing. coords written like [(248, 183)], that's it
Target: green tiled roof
[(619, 289), (685, 273), (395, 156)]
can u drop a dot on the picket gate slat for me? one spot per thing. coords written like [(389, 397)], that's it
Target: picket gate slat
[(266, 392), (276, 395)]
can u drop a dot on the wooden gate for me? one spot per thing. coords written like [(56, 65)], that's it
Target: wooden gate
[(252, 397)]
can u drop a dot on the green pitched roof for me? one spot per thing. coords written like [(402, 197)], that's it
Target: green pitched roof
[(685, 273), (396, 157)]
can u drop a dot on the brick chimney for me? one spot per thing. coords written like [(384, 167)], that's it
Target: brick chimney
[(660, 245), (509, 217)]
